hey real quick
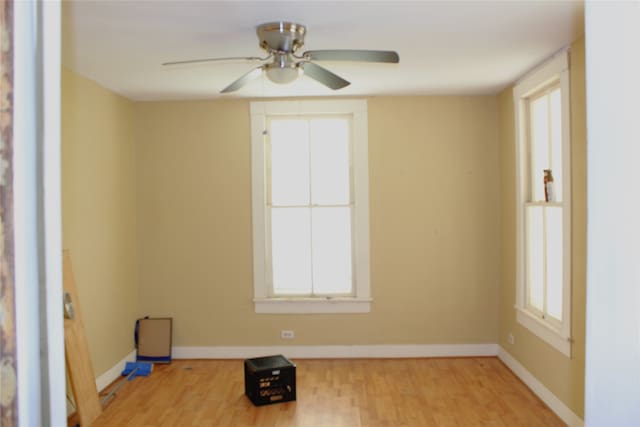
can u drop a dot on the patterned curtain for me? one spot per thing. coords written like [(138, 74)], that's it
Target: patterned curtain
[(8, 396)]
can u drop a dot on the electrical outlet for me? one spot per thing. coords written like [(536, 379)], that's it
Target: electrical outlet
[(287, 335), (511, 339)]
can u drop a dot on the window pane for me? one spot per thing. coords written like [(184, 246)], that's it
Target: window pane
[(539, 146), (554, 262), (291, 250), (556, 143), (535, 257), (332, 250), (330, 161), (289, 162)]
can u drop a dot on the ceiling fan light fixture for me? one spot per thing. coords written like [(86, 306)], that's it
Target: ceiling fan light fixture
[(283, 75)]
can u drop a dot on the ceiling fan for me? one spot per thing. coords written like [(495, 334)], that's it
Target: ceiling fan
[(283, 65)]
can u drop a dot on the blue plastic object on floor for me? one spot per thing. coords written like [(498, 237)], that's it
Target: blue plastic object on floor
[(137, 369)]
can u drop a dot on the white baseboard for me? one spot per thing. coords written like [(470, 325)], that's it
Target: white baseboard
[(108, 377), (338, 351), (550, 399)]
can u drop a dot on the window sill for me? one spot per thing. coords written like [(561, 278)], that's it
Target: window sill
[(312, 305), (550, 335)]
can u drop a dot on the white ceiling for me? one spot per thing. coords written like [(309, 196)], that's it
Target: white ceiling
[(445, 47)]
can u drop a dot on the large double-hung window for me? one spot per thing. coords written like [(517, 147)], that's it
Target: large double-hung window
[(544, 203), (310, 206)]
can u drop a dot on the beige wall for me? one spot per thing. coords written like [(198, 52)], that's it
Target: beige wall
[(563, 376), (98, 214), (434, 197)]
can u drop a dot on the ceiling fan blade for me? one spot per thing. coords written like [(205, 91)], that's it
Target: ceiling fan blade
[(324, 76), (231, 58), (353, 55), (251, 75)]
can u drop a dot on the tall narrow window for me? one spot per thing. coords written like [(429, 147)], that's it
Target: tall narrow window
[(310, 207), (309, 199), (544, 195), (543, 209)]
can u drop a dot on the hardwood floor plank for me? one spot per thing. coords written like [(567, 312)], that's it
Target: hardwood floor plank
[(334, 393)]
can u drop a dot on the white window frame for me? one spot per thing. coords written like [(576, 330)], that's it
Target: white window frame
[(264, 302), (555, 70)]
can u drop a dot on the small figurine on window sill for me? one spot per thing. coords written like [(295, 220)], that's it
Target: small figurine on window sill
[(548, 186)]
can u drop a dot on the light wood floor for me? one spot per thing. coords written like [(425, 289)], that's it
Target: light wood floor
[(462, 392)]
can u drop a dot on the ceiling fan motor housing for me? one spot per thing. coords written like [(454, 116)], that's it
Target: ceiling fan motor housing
[(283, 37)]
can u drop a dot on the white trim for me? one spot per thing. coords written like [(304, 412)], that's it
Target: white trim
[(339, 351), (258, 202), (113, 373), (554, 69), (544, 331), (312, 305), (37, 215), (52, 216), (550, 399), (361, 199), (360, 303), (543, 74), (567, 200), (25, 195), (342, 106)]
